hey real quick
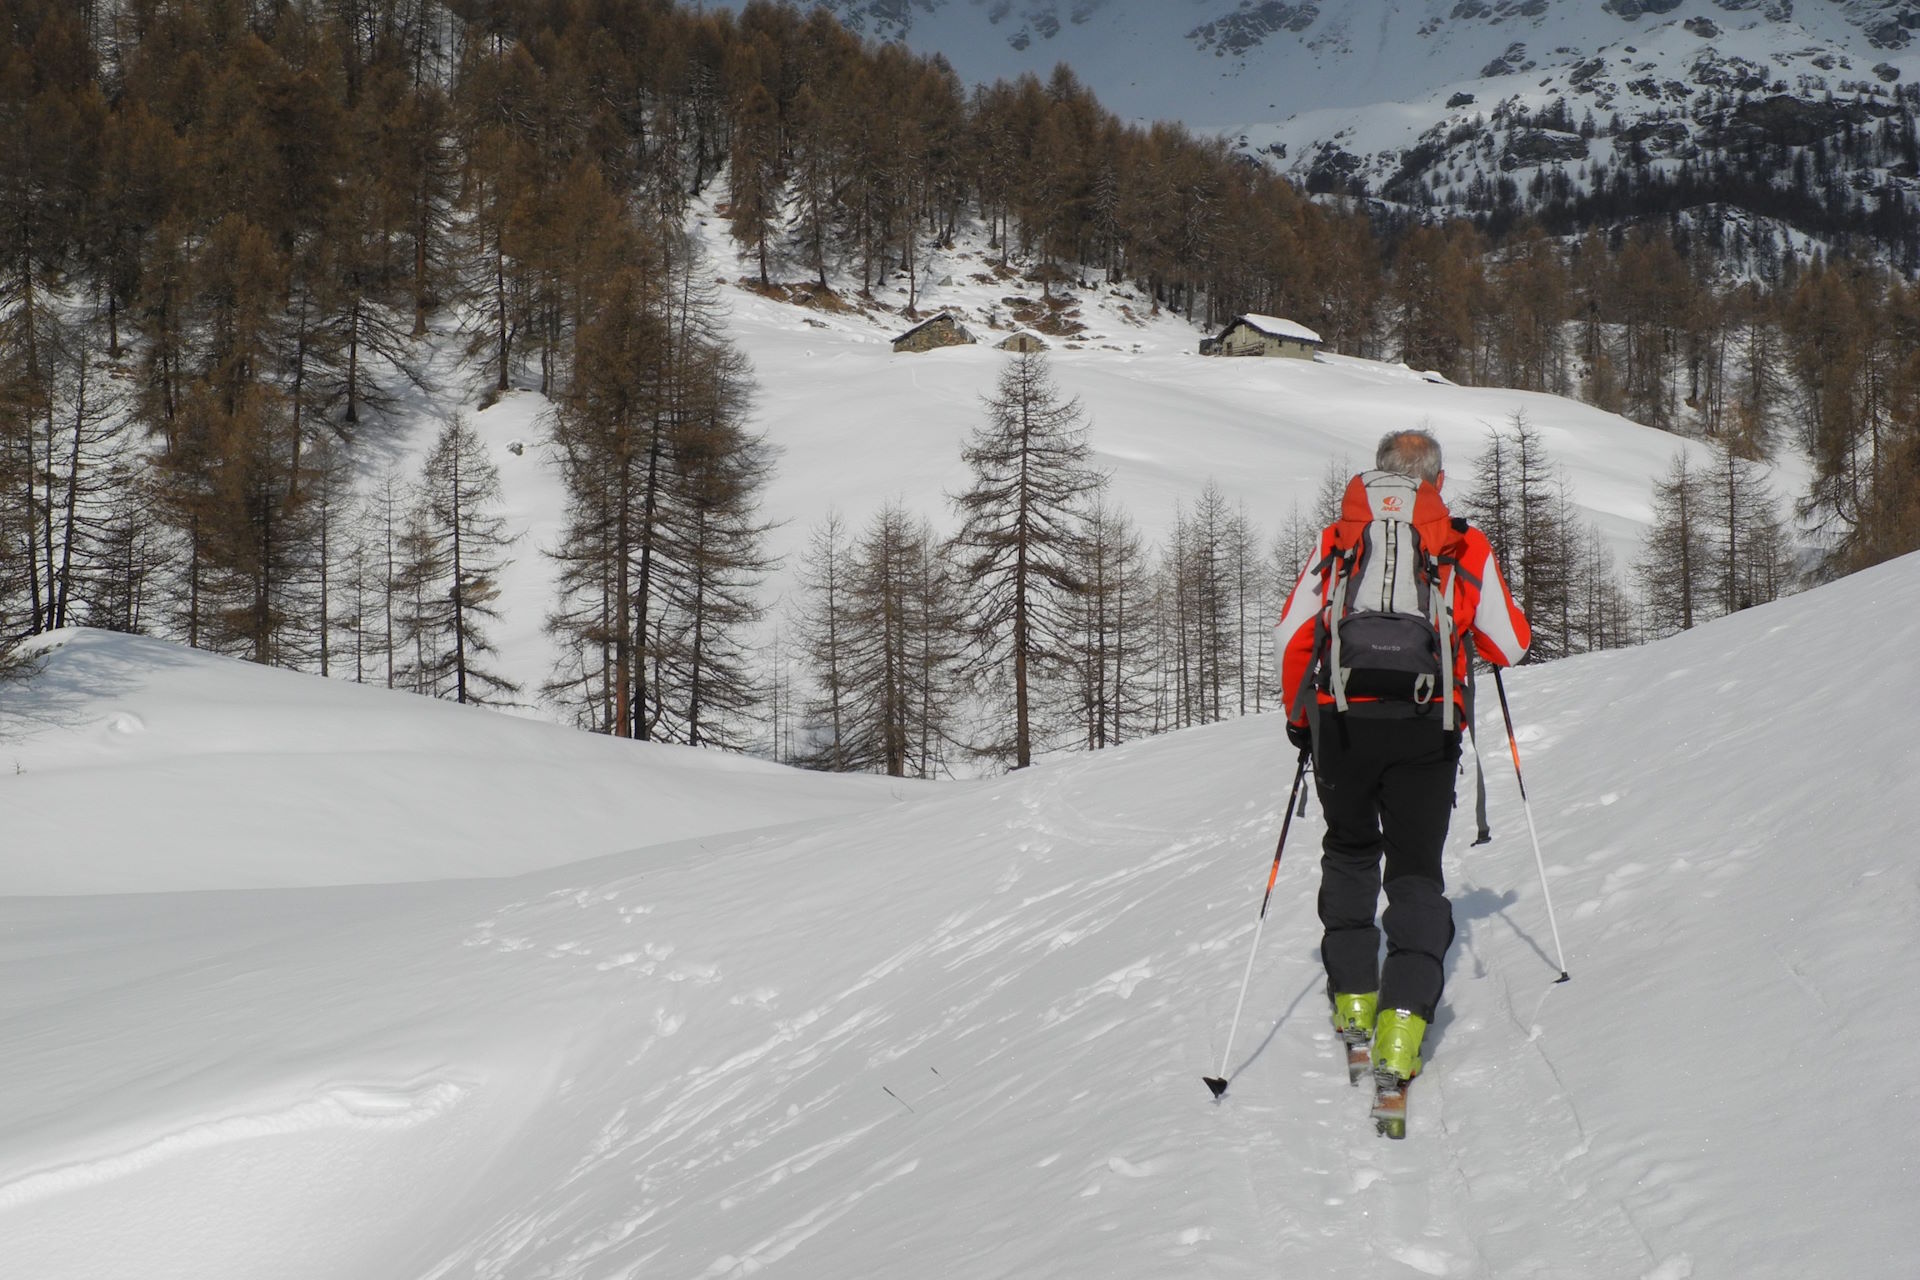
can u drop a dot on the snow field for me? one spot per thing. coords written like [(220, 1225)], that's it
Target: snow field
[(140, 766), (856, 426), (966, 1032)]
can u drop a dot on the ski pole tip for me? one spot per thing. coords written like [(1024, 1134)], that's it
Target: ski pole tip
[(1216, 1084)]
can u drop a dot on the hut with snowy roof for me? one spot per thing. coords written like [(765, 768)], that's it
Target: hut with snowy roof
[(1256, 335), (1022, 340), (944, 330)]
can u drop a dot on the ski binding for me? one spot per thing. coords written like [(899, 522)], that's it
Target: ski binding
[(1390, 1105)]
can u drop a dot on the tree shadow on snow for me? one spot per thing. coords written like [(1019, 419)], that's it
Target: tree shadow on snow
[(67, 684)]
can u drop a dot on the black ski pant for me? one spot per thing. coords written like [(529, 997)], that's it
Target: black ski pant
[(1386, 788)]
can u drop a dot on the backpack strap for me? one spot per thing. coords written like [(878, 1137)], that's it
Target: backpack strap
[(1461, 570), (1443, 623), (1336, 679)]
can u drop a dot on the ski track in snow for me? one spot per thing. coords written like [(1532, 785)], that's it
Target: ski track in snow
[(965, 1033), (1461, 1196), (373, 1108), (708, 1126)]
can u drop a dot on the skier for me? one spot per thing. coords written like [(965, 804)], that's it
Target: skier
[(1386, 742)]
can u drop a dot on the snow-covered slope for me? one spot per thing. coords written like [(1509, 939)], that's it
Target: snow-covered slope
[(134, 765), (964, 1035), (857, 426)]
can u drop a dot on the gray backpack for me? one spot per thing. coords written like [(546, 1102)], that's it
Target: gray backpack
[(1387, 629)]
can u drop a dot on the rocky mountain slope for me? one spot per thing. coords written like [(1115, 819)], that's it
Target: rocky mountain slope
[(1790, 117)]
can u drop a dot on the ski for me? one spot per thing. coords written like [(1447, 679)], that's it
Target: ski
[(1359, 1059), (1390, 1106)]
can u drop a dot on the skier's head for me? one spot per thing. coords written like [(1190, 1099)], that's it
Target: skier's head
[(1413, 453)]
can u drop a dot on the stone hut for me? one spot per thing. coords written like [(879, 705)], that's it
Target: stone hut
[(944, 330), (1022, 340), (1254, 335)]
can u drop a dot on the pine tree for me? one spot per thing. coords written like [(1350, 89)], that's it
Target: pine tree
[(1212, 612), (1749, 555), (902, 651), (1520, 501), (824, 635), (357, 600), (457, 543), (1112, 618), (1676, 559), (1492, 503), (1329, 497), (1021, 519), (722, 469), (93, 464), (1434, 293), (754, 179), (1604, 617), (662, 552), (815, 196)]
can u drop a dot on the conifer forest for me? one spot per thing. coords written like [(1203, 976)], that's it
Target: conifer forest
[(239, 238)]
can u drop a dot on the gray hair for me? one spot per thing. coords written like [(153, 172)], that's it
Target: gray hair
[(1414, 453)]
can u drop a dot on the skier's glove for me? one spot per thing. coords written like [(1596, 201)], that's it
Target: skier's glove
[(1300, 736)]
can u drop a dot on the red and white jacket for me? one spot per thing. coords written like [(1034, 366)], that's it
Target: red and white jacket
[(1481, 605)]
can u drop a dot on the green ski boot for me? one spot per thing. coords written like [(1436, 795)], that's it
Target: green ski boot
[(1353, 1022), (1397, 1034)]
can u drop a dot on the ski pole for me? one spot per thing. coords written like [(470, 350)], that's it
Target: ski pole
[(1483, 833), (1506, 713), (1219, 1083)]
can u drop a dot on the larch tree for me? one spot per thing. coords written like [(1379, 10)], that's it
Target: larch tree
[(1021, 519), (664, 548), (234, 466), (459, 545), (1750, 562), (612, 436), (1675, 567), (1112, 621), (88, 464), (824, 630), (901, 650), (722, 469), (1519, 500), (754, 178)]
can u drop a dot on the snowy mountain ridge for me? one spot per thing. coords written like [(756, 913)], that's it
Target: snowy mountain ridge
[(1484, 105), (1295, 57)]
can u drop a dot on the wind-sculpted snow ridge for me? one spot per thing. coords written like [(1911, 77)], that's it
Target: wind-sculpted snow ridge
[(376, 1108), (967, 1035), (133, 764)]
